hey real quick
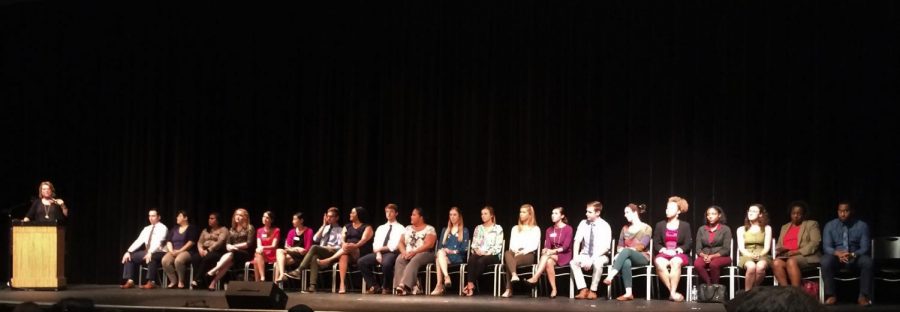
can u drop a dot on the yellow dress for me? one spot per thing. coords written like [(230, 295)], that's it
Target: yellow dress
[(754, 242)]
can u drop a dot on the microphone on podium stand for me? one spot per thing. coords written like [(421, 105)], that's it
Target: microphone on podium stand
[(12, 209)]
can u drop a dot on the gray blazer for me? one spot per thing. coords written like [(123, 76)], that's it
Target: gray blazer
[(721, 243)]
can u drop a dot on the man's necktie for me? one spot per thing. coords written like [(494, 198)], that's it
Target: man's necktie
[(388, 236), (150, 238), (591, 241)]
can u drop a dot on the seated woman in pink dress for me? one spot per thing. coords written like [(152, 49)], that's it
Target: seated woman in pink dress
[(672, 240), (296, 244)]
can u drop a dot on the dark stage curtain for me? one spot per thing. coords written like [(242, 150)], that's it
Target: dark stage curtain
[(208, 107)]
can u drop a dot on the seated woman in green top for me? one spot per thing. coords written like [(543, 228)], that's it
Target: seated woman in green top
[(754, 240)]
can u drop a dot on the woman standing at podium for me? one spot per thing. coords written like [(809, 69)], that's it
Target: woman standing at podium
[(48, 208)]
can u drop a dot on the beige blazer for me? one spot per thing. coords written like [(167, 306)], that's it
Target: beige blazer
[(810, 238)]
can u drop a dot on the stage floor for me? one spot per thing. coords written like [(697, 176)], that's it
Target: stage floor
[(110, 296)]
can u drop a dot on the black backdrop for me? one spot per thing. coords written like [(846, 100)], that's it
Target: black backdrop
[(210, 106)]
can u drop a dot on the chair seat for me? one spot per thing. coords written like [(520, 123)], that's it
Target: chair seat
[(532, 268), (451, 270), (248, 267), (889, 270), (645, 271), (845, 271), (809, 269), (560, 271), (375, 271), (587, 276), (351, 269)]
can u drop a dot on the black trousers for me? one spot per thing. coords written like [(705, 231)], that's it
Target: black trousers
[(367, 263), (476, 264), (206, 264), (137, 258)]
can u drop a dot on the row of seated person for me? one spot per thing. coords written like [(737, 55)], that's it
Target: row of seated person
[(416, 244), (886, 246), (734, 270)]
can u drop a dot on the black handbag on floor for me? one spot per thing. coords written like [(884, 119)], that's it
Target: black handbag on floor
[(711, 293)]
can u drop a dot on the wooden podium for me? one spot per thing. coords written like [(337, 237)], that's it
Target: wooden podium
[(38, 256)]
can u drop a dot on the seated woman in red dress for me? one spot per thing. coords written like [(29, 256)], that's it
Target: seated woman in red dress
[(266, 245)]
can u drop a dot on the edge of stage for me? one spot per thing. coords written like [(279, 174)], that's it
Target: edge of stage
[(110, 297)]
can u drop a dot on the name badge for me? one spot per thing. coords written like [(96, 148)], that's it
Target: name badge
[(265, 235), (552, 234), (296, 238)]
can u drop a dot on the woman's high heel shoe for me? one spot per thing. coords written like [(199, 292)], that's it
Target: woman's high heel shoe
[(553, 294)]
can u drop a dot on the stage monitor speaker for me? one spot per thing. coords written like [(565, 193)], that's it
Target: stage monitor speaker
[(255, 295)]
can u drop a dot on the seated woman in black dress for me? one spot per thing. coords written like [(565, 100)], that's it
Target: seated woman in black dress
[(241, 237), (354, 241)]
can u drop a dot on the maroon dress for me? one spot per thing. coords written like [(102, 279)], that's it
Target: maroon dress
[(560, 238)]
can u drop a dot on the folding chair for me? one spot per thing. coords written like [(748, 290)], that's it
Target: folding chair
[(532, 267), (560, 271), (736, 270), (845, 275), (351, 269), (493, 270), (248, 267), (451, 268), (588, 274), (687, 274), (159, 273), (886, 255)]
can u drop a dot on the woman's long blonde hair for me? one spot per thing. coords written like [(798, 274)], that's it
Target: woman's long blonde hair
[(460, 226), (530, 221), (244, 225)]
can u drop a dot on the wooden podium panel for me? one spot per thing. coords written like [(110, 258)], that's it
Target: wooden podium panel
[(38, 257)]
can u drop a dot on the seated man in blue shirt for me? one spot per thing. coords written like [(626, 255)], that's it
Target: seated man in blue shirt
[(846, 244)]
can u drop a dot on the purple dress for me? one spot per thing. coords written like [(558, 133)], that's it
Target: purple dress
[(560, 238)]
